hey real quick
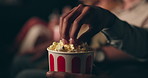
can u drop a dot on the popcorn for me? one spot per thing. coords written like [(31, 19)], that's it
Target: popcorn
[(60, 46)]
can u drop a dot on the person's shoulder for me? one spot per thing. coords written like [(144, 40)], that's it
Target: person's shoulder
[(39, 27)]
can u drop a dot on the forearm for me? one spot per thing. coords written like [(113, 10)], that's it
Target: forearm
[(134, 39)]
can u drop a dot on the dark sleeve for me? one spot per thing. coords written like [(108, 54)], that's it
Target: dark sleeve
[(134, 39)]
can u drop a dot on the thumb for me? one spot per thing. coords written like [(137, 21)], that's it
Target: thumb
[(87, 36)]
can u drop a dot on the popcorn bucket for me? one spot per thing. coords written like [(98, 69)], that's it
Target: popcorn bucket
[(73, 62)]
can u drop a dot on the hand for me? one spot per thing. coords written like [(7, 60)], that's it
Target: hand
[(67, 75), (96, 17)]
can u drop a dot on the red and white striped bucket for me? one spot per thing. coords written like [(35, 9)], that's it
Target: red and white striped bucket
[(71, 62)]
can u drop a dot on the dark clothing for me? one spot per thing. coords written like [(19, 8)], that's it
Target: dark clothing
[(32, 73), (134, 39)]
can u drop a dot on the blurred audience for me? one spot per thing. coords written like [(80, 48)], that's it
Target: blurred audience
[(14, 14), (32, 42)]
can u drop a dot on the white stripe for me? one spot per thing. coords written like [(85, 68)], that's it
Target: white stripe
[(49, 60), (68, 60), (83, 64), (55, 62)]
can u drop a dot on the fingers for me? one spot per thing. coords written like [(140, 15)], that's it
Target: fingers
[(66, 21), (96, 17), (77, 24), (72, 22), (59, 75), (62, 17), (67, 75), (86, 37)]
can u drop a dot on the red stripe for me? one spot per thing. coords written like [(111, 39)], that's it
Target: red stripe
[(88, 64), (51, 62), (76, 65), (61, 64)]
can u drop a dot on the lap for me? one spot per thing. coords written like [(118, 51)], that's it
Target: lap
[(32, 73)]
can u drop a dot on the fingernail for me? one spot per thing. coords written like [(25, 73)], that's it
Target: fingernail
[(71, 40), (64, 41), (50, 74), (79, 5)]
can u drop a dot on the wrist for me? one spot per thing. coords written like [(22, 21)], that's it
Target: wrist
[(112, 21), (117, 29)]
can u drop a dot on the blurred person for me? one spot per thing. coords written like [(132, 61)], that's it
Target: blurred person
[(134, 38), (133, 9), (106, 4), (129, 12), (14, 13), (32, 56), (31, 44), (33, 40)]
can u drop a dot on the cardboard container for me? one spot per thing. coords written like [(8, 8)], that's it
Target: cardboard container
[(73, 62)]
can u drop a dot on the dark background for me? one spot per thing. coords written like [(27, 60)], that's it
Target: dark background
[(12, 18)]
